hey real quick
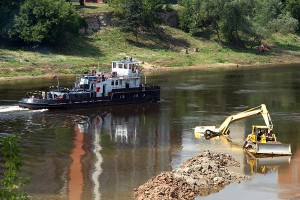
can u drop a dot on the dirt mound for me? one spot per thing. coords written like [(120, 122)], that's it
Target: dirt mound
[(200, 175)]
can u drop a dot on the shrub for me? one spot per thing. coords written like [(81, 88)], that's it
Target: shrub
[(45, 21)]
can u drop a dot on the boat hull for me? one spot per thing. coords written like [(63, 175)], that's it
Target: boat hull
[(116, 98)]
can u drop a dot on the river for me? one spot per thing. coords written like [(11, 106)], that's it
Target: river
[(104, 153)]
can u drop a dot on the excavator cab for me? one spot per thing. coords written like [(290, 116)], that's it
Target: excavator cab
[(261, 134)]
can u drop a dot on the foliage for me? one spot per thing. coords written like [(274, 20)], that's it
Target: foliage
[(213, 13), (12, 182), (242, 22), (235, 21), (170, 1), (293, 7), (137, 15), (263, 13), (49, 21), (284, 24), (8, 10), (190, 15)]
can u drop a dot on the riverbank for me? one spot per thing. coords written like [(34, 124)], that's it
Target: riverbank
[(150, 69), (199, 176), (168, 49)]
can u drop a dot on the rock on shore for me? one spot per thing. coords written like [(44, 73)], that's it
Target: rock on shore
[(200, 175)]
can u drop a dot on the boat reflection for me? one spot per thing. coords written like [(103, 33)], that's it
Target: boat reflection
[(75, 186), (121, 129), (114, 152), (289, 179), (86, 159)]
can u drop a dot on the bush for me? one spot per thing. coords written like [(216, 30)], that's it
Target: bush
[(11, 182), (284, 24), (45, 21)]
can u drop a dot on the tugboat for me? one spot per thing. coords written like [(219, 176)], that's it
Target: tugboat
[(120, 86)]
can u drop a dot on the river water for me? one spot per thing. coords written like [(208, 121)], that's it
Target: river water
[(104, 153)]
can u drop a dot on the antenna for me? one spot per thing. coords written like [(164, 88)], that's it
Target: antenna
[(55, 77)]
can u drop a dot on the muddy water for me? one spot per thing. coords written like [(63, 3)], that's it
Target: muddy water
[(104, 153)]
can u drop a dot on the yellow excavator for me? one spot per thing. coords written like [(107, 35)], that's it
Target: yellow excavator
[(262, 139)]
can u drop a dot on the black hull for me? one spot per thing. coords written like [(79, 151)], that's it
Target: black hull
[(116, 98)]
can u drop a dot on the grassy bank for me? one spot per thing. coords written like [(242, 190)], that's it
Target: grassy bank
[(162, 49)]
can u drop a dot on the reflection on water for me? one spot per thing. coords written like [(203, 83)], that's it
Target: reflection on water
[(264, 165), (289, 179), (105, 153)]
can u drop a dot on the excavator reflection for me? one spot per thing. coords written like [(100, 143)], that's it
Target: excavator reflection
[(263, 165), (259, 164)]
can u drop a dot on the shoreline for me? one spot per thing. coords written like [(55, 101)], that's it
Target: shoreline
[(147, 68), (217, 66)]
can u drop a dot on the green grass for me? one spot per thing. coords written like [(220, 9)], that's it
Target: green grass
[(162, 49)]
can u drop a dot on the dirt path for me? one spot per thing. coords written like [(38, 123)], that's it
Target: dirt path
[(198, 176)]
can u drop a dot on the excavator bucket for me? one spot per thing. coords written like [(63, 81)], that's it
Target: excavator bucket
[(273, 148)]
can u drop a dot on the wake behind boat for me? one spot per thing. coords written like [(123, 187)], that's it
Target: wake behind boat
[(121, 86)]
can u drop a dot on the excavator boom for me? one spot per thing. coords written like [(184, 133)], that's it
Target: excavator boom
[(246, 114), (223, 129)]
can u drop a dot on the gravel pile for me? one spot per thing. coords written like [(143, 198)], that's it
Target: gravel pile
[(200, 175)]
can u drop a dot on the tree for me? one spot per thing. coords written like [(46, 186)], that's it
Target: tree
[(45, 21), (293, 7), (229, 18), (236, 21), (185, 14), (263, 13), (269, 17), (213, 11), (190, 16), (150, 13), (284, 24), (8, 10), (131, 17), (137, 15)]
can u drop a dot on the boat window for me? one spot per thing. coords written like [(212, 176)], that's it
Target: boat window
[(125, 66), (130, 66), (117, 82), (112, 82), (114, 65), (121, 66)]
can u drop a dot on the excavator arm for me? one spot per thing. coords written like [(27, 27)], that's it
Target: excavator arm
[(246, 114), (212, 131)]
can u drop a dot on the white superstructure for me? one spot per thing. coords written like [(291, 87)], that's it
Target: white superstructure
[(124, 74)]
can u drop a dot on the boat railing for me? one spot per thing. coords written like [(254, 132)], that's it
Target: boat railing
[(58, 89)]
